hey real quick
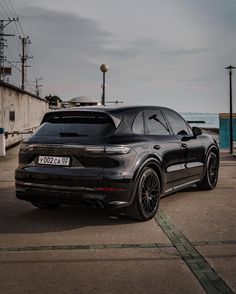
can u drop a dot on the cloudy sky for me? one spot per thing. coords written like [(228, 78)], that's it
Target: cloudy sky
[(170, 53)]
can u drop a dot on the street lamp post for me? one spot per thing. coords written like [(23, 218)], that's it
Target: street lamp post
[(104, 69), (230, 67)]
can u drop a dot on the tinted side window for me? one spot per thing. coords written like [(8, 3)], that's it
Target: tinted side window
[(177, 123), (138, 126), (155, 123)]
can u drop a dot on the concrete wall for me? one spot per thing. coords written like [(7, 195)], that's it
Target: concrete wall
[(19, 111)]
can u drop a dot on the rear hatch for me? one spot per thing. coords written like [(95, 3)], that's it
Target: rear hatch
[(71, 146)]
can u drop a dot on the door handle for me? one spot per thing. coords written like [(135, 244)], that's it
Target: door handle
[(145, 146), (156, 147), (184, 145)]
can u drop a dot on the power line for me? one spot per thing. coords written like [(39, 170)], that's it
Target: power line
[(9, 12), (13, 65), (11, 4), (19, 23), (16, 28), (4, 10), (13, 16), (3, 24), (11, 51), (14, 79), (1, 13)]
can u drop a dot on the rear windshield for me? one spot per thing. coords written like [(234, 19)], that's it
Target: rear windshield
[(77, 126)]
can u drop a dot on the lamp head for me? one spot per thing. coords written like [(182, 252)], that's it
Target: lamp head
[(104, 68)]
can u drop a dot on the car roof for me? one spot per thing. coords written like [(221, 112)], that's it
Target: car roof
[(114, 109)]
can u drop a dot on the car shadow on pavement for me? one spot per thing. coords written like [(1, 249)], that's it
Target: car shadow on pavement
[(18, 216)]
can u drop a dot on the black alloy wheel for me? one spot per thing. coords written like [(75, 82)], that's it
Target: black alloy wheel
[(211, 175), (213, 170), (147, 196), (149, 191)]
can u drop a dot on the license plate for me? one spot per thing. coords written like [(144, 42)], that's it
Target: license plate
[(54, 160)]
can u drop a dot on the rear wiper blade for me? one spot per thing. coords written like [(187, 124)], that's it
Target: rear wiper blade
[(71, 134)]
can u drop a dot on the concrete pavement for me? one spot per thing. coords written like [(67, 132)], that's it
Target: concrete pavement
[(77, 250)]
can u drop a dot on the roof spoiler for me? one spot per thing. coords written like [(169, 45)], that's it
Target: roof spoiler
[(59, 114)]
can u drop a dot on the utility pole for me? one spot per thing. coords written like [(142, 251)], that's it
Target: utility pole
[(37, 86), (230, 67), (3, 24), (24, 57)]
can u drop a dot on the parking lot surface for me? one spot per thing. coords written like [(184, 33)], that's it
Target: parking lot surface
[(190, 246)]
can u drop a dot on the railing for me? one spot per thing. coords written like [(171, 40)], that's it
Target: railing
[(4, 135)]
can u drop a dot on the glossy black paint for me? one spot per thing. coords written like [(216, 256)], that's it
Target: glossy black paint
[(110, 180)]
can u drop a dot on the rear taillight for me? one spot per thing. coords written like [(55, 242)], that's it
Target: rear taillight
[(25, 147), (108, 149), (25, 153), (117, 149), (110, 189)]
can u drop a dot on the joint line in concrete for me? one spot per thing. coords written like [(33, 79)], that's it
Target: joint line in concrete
[(208, 278), (85, 247)]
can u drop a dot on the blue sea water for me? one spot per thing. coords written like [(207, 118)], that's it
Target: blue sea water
[(211, 119)]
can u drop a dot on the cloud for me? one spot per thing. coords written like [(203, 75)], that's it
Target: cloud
[(64, 34), (68, 49), (69, 45), (163, 51)]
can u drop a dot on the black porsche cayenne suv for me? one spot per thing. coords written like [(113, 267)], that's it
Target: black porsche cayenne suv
[(126, 157)]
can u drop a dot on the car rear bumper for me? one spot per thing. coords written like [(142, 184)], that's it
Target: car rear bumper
[(111, 192)]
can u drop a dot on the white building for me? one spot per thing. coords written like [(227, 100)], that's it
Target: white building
[(81, 101)]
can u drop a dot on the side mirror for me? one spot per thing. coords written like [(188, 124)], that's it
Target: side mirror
[(196, 131)]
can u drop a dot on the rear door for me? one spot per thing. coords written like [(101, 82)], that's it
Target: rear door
[(192, 152), (164, 145)]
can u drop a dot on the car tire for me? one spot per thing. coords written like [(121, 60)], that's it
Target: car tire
[(210, 178), (147, 196), (43, 205)]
